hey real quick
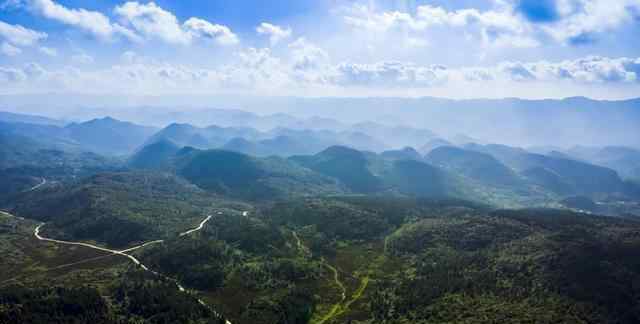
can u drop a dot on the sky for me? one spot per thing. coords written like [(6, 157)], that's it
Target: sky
[(373, 48)]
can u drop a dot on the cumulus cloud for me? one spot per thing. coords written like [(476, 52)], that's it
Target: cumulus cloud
[(515, 23), (11, 75), (20, 36), (306, 55), (581, 21), (92, 22), (82, 59), (274, 32), (393, 74), (48, 51), (202, 28), (495, 27), (153, 22), (258, 70), (9, 50), (592, 69)]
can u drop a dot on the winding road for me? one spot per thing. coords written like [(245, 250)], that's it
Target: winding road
[(131, 257), (42, 183), (197, 228), (343, 304)]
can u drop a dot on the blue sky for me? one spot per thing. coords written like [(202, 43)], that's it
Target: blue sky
[(459, 49)]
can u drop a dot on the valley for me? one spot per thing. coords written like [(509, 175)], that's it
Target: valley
[(320, 162), (325, 234)]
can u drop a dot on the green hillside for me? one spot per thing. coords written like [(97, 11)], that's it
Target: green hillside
[(117, 209), (239, 175), (478, 166), (345, 164)]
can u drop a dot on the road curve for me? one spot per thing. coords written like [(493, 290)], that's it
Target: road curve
[(95, 247), (131, 257), (197, 228), (42, 183)]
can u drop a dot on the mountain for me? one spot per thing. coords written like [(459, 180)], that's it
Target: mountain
[(625, 160), (583, 178), (549, 180), (580, 203), (475, 165), (348, 165), (576, 120), (240, 175), (109, 136), (407, 153), (241, 145), (394, 135), (27, 156), (414, 178), (203, 138), (9, 117), (48, 135), (154, 156), (280, 145), (118, 209), (433, 144)]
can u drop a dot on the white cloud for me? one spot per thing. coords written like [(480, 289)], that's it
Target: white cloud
[(93, 22), (11, 75), (82, 59), (577, 21), (33, 70), (48, 51), (9, 50), (592, 69), (20, 36), (498, 27), (153, 22), (581, 20), (306, 55), (275, 33), (394, 74), (260, 71), (204, 29)]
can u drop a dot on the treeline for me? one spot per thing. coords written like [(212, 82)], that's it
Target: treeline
[(529, 266), (136, 298)]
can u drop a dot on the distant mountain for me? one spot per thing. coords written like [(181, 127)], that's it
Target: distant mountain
[(48, 135), (462, 139), (584, 178), (8, 117), (407, 153), (580, 203), (40, 159), (181, 135), (243, 176), (154, 156), (475, 165), (394, 135), (109, 136), (434, 144), (278, 141), (241, 145), (415, 178), (280, 146), (625, 160), (551, 122), (563, 122), (103, 136), (549, 180), (348, 165)]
